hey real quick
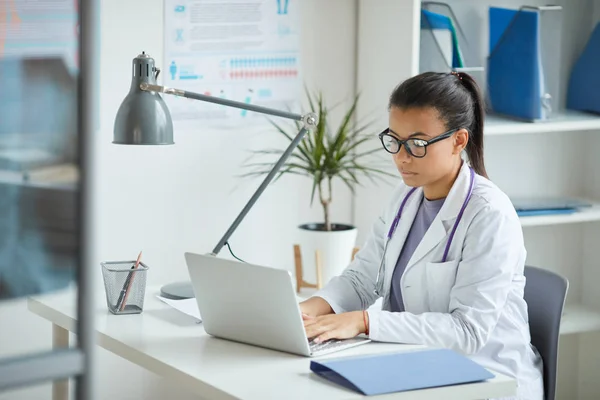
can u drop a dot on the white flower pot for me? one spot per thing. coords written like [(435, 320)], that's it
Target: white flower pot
[(335, 248)]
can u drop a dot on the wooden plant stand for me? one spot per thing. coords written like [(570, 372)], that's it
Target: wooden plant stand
[(300, 282)]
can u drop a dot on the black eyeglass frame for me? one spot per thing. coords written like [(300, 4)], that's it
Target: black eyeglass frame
[(424, 143)]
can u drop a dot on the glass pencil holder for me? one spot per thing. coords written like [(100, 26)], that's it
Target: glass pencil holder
[(125, 286)]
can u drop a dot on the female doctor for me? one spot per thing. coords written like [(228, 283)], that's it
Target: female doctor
[(447, 253)]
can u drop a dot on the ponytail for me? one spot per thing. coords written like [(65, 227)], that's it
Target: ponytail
[(474, 148)]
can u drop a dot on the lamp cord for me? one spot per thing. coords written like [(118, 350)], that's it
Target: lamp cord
[(234, 256)]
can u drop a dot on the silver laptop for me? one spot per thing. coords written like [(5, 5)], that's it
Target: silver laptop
[(255, 305)]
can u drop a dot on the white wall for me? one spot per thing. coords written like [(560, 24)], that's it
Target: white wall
[(168, 200)]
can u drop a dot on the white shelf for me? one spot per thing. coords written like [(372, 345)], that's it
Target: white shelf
[(578, 319), (586, 214), (566, 121)]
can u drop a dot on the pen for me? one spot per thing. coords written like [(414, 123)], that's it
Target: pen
[(126, 286)]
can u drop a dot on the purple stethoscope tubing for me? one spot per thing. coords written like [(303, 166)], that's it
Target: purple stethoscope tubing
[(380, 272)]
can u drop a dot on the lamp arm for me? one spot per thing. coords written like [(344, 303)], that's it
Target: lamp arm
[(217, 100), (260, 189), (309, 121)]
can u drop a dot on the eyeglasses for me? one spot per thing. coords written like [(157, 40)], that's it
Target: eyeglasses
[(415, 147)]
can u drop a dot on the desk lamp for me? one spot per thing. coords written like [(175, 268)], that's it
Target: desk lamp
[(144, 119)]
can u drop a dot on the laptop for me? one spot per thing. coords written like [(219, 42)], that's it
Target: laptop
[(255, 305)]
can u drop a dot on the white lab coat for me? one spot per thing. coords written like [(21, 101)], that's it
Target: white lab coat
[(472, 303)]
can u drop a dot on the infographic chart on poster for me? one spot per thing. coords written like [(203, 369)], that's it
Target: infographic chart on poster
[(245, 50)]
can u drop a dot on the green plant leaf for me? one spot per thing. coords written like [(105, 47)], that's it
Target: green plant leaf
[(316, 181), (348, 183), (352, 176), (311, 104), (276, 152), (359, 140), (368, 152), (342, 133), (284, 171), (320, 132)]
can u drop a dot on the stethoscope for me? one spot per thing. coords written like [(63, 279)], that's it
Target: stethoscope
[(381, 271)]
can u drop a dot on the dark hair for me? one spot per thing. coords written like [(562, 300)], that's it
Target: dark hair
[(457, 99)]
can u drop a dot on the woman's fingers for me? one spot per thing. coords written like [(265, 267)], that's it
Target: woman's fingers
[(325, 336), (313, 330), (331, 327), (313, 320), (316, 330), (307, 317)]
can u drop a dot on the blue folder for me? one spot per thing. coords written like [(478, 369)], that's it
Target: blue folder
[(399, 372), (583, 93), (431, 20), (550, 211), (537, 206), (515, 75)]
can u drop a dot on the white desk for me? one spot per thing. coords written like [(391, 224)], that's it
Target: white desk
[(173, 345)]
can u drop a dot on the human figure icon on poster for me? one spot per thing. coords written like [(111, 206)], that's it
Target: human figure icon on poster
[(283, 10), (173, 70)]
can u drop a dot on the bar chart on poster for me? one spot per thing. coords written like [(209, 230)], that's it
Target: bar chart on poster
[(245, 50)]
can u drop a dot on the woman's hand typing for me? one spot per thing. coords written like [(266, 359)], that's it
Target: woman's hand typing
[(335, 326), (315, 306)]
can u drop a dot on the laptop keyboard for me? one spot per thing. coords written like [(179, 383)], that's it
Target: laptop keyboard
[(333, 344)]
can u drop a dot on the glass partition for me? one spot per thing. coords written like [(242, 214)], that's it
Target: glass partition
[(39, 160)]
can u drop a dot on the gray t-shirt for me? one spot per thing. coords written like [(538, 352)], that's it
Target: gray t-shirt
[(427, 212)]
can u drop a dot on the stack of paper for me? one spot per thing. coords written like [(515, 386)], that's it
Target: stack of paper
[(186, 306)]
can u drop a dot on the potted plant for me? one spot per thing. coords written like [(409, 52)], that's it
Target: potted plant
[(326, 155)]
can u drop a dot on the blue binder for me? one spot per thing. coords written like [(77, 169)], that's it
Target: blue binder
[(515, 76), (431, 20), (583, 93), (550, 211), (398, 372), (537, 206)]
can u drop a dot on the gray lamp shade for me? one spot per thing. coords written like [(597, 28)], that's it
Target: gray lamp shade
[(143, 117)]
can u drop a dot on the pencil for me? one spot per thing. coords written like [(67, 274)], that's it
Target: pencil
[(129, 281)]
